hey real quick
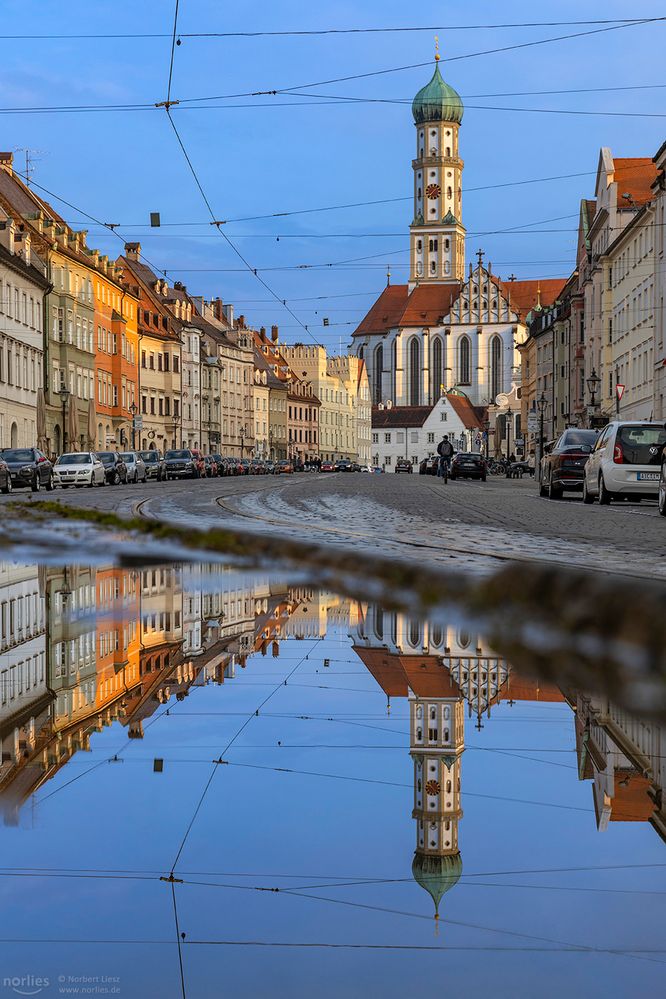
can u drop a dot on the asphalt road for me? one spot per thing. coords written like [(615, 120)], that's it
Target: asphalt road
[(409, 516)]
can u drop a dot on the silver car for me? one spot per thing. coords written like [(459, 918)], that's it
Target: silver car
[(136, 466), (80, 468)]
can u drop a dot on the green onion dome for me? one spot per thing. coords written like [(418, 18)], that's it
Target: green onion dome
[(437, 101), (437, 874)]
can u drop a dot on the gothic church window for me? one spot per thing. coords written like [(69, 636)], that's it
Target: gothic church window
[(414, 372), (437, 373), (379, 369), (496, 374), (464, 361)]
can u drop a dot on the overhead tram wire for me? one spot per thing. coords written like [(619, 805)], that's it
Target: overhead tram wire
[(248, 265), (140, 36)]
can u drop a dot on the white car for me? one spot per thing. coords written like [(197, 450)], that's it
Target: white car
[(625, 462), (81, 468), (136, 466)]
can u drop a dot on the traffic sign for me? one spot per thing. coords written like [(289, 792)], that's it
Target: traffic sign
[(137, 423), (619, 390), (532, 423)]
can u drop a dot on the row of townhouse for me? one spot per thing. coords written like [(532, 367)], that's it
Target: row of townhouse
[(105, 354), (598, 352)]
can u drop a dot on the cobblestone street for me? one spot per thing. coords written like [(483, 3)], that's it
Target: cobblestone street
[(413, 517)]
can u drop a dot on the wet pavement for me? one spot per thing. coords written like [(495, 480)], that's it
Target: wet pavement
[(216, 782)]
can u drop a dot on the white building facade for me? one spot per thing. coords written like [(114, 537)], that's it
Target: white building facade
[(415, 432), (23, 285)]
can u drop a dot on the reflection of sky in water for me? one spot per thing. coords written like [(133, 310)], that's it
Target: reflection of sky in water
[(322, 796)]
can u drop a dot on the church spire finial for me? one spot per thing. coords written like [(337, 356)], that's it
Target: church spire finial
[(436, 48), (388, 275)]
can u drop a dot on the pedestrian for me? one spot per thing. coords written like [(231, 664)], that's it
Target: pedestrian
[(531, 463), (445, 452)]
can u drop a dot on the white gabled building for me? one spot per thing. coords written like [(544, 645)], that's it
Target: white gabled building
[(413, 432)]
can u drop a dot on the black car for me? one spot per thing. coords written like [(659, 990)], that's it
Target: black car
[(181, 464), (154, 462), (403, 465), (5, 477), (563, 464), (429, 465), (468, 465), (115, 468), (29, 468), (344, 465)]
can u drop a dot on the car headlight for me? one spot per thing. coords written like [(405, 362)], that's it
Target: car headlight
[(26, 470)]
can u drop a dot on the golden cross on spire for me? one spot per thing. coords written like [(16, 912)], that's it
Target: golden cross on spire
[(436, 48)]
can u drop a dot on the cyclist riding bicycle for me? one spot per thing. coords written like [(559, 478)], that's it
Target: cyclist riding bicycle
[(445, 452)]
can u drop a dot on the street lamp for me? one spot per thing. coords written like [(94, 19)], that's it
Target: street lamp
[(270, 443), (486, 427), (509, 417), (541, 406), (241, 433), (133, 410), (64, 394), (593, 383)]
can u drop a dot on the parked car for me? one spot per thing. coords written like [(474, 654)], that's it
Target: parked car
[(257, 467), (136, 467), (625, 463), (403, 465), (155, 465), (29, 468), (5, 477), (327, 466), (79, 468), (219, 461), (365, 468), (115, 468), (244, 466), (468, 465), (429, 465), (284, 467), (181, 464), (377, 470), (210, 466), (563, 464), (269, 467), (344, 465)]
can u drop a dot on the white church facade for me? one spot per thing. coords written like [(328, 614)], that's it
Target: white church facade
[(451, 326)]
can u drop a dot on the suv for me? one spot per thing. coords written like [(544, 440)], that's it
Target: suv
[(403, 465), (181, 464), (625, 462), (154, 462), (28, 468)]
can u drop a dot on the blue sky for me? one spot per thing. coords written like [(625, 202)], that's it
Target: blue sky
[(288, 154)]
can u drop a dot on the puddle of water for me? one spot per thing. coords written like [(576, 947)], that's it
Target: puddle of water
[(392, 803)]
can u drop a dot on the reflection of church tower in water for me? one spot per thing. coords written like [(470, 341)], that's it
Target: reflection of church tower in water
[(437, 742)]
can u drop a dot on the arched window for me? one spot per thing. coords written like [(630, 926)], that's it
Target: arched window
[(379, 369), (436, 372), (394, 368), (414, 633), (379, 623), (414, 372), (464, 361), (496, 372)]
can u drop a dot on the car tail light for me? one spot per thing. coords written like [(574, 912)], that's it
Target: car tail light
[(618, 456)]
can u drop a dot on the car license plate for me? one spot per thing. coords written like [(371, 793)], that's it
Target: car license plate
[(651, 476)]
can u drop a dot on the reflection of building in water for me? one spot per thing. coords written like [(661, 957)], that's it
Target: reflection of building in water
[(25, 697), (317, 611), (625, 760)]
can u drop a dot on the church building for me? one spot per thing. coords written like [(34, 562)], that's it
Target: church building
[(452, 326)]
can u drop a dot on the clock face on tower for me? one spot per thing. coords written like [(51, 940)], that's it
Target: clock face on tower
[(433, 191)]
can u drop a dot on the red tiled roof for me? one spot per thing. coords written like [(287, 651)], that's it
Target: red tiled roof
[(470, 416), (631, 801), (425, 306), (524, 295), (400, 416), (634, 176), (425, 675)]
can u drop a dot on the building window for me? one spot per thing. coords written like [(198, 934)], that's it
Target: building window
[(378, 372), (496, 372), (414, 372), (464, 361), (387, 438), (375, 438), (437, 374)]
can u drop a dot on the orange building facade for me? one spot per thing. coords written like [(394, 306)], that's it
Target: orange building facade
[(116, 358)]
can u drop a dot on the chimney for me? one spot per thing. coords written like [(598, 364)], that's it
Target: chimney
[(133, 251), (241, 322), (7, 163), (26, 248), (262, 332), (275, 335), (217, 309), (228, 312)]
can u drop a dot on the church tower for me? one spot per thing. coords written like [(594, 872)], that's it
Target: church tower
[(437, 742), (437, 235)]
